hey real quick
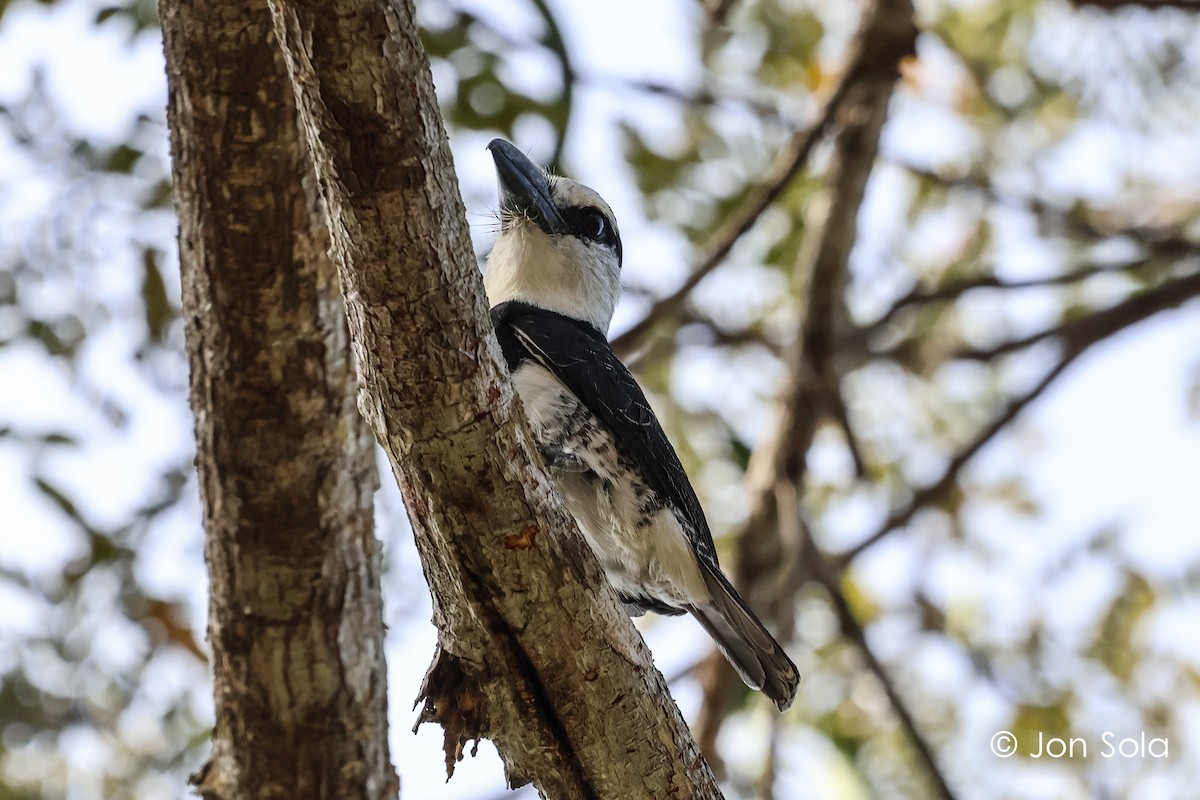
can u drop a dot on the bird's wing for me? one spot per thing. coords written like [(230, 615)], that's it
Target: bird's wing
[(579, 356)]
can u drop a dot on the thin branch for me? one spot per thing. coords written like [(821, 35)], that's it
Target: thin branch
[(852, 629), (553, 41), (719, 11), (1078, 336), (787, 165), (952, 290), (813, 379), (682, 672), (841, 415), (1084, 329), (1162, 242), (938, 488), (882, 42), (760, 107), (767, 565), (559, 112)]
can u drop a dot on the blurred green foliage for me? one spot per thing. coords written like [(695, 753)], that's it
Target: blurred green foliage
[(1003, 91)]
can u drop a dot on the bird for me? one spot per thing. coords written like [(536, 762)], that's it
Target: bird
[(553, 278)]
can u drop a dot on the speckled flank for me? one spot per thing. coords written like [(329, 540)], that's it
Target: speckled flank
[(635, 535)]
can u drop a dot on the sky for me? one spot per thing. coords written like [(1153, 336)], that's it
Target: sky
[(1115, 444)]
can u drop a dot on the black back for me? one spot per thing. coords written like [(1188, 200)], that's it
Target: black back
[(579, 356)]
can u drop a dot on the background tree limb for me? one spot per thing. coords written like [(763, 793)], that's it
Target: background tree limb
[(788, 163), (1077, 336), (765, 562)]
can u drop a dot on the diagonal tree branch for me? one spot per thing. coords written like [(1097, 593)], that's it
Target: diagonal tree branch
[(1164, 243), (952, 290), (1100, 323), (787, 164), (1077, 337), (822, 269), (511, 578), (852, 629), (762, 107), (938, 488), (790, 515)]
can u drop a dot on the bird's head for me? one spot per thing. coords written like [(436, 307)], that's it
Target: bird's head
[(558, 248)]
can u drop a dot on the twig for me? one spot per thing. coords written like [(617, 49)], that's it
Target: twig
[(885, 38), (955, 289), (935, 490), (841, 415), (553, 42), (719, 10), (1084, 329), (786, 165), (1165, 243), (682, 672), (760, 107), (1078, 336), (790, 517), (853, 630), (558, 113)]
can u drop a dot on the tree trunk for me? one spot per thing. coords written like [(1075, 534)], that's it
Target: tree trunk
[(534, 651), (286, 464)]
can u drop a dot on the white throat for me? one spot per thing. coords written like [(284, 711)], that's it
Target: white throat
[(558, 273)]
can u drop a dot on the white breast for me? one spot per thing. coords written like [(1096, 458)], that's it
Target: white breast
[(640, 555), (545, 397)]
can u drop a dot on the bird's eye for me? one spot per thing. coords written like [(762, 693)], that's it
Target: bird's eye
[(592, 224)]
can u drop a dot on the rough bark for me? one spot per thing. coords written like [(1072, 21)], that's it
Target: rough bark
[(534, 652), (286, 464)]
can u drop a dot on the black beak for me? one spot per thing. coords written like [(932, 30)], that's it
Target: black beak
[(524, 189)]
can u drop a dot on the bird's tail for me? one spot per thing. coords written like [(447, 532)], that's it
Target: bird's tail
[(749, 648)]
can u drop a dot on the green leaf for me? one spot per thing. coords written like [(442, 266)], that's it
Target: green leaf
[(1113, 645), (107, 13), (37, 329), (154, 294), (1038, 723), (60, 438), (160, 195), (122, 159)]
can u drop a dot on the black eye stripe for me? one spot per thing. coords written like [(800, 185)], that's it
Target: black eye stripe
[(582, 221), (590, 223)]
